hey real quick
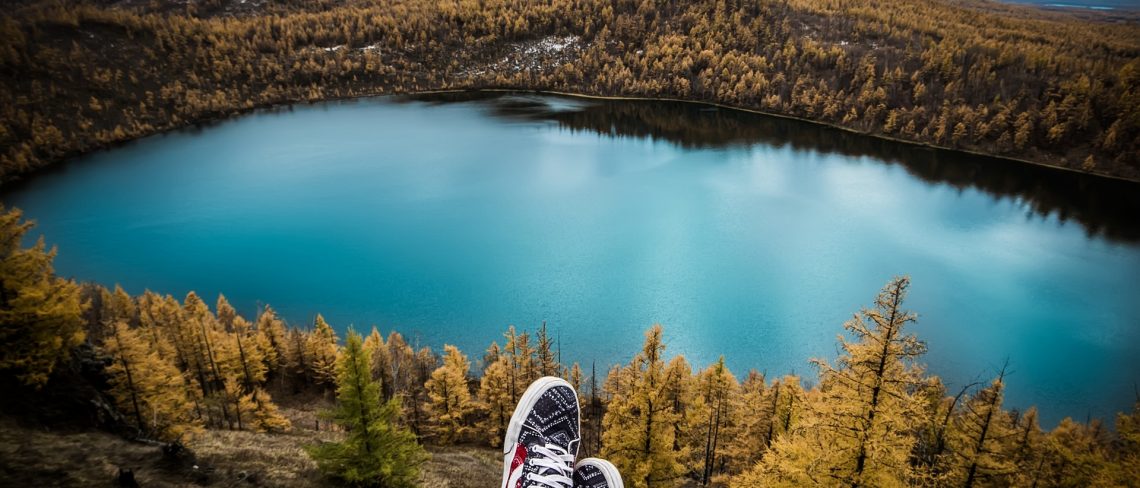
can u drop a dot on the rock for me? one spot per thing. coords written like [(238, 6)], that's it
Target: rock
[(127, 478)]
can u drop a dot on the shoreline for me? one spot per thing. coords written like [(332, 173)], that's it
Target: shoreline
[(204, 122)]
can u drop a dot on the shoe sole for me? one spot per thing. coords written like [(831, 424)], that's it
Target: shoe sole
[(518, 418), (613, 477)]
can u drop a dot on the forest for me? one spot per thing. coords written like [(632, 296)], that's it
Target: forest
[(1042, 86), (168, 370)]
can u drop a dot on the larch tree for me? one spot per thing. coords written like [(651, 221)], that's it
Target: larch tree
[(638, 427), (239, 344), (114, 307), (159, 317), (275, 337), (789, 406), (163, 322), (978, 439), (41, 316), (252, 348), (265, 416), (375, 450), (403, 359), (147, 388), (241, 405), (576, 380), (678, 391), (524, 369), (749, 434), (931, 456), (423, 365), (544, 355), (491, 355), (1127, 467), (297, 363), (718, 390), (1027, 446), (495, 400), (199, 333), (859, 429), (381, 360), (449, 398), (320, 348), (1076, 455), (510, 351)]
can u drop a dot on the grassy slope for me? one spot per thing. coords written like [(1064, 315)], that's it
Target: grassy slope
[(31, 456)]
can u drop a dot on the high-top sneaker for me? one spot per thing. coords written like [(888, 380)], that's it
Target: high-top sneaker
[(542, 438), (596, 473)]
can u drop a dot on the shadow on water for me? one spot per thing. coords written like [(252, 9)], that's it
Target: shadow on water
[(1102, 206)]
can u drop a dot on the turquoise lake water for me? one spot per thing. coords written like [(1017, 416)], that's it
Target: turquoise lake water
[(745, 236)]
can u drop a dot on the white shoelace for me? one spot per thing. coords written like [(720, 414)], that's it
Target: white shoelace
[(555, 466)]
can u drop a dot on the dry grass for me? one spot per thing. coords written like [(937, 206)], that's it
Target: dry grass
[(31, 457), (463, 467)]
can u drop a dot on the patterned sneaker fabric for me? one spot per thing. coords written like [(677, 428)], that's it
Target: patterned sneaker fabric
[(589, 476), (551, 430)]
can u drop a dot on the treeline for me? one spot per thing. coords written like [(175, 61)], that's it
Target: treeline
[(873, 418), (980, 76)]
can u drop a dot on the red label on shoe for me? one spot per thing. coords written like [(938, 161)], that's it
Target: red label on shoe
[(516, 464)]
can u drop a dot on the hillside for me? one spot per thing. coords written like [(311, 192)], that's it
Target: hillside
[(1051, 87), (37, 456)]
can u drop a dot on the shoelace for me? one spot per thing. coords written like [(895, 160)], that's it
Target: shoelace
[(555, 466)]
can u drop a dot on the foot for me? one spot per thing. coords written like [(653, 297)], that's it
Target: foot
[(542, 438), (596, 473)]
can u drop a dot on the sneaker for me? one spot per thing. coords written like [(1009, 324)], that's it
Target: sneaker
[(542, 438), (596, 473)]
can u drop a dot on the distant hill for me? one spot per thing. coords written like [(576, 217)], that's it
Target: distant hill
[(1053, 86)]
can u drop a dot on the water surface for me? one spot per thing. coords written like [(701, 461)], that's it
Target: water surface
[(746, 236)]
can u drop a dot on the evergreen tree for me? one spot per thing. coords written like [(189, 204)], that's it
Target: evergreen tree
[(376, 451), (638, 427), (41, 316), (450, 400)]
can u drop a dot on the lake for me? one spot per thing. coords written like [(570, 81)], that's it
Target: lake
[(451, 217)]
